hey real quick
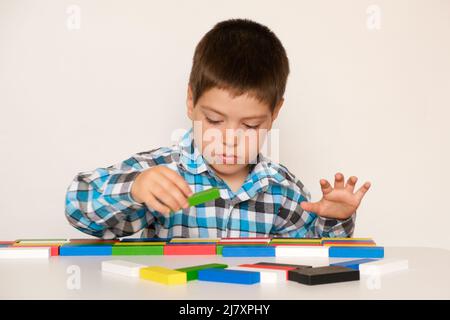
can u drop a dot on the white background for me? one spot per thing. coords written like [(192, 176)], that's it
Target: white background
[(371, 103)]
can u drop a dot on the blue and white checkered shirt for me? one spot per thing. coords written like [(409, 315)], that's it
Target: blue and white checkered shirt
[(99, 202)]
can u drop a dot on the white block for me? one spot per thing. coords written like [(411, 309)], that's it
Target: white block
[(24, 253), (125, 268), (301, 251), (266, 275), (382, 267)]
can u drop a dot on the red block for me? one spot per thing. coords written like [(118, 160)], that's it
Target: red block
[(7, 242), (190, 249)]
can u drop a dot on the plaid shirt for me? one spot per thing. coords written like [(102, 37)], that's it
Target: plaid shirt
[(99, 202)]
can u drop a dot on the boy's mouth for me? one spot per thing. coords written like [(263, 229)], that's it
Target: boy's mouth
[(227, 159)]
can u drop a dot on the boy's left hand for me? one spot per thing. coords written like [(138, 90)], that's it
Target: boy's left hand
[(338, 203)]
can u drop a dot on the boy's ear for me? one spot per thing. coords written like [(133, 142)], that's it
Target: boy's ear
[(189, 103), (277, 108)]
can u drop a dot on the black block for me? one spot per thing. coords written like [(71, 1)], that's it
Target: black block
[(323, 275)]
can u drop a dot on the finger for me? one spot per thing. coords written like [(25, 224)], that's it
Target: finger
[(351, 182), (326, 186), (174, 191), (362, 191), (310, 206), (165, 197), (338, 181), (156, 205), (178, 180)]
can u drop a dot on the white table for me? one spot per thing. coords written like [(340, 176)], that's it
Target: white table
[(427, 278)]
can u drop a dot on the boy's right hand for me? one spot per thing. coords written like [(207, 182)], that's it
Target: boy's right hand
[(161, 189)]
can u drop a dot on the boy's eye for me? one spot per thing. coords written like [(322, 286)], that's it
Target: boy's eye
[(251, 127), (213, 121)]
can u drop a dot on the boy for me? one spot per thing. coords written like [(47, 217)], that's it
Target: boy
[(237, 83)]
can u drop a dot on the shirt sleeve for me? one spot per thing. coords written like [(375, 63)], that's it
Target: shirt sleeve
[(99, 202), (293, 221)]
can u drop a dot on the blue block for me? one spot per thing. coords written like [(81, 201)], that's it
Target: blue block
[(352, 264), (229, 276), (248, 251), (356, 252), (85, 250), (145, 240)]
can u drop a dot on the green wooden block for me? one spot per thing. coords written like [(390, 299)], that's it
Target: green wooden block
[(138, 250), (204, 196), (192, 272), (219, 249)]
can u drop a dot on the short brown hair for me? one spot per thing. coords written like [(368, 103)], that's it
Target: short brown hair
[(241, 56)]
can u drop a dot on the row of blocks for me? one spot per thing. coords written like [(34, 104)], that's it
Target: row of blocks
[(262, 272), (225, 251), (228, 247)]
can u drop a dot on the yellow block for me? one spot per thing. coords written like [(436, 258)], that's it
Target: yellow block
[(194, 240), (163, 275), (139, 243), (350, 239), (43, 244), (349, 244)]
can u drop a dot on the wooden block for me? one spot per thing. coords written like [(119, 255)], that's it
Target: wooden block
[(347, 239), (356, 252), (42, 241), (262, 266), (296, 244), (297, 241), (6, 242), (204, 196), (248, 251), (93, 241), (190, 249), (294, 251), (385, 266), (348, 242), (145, 240), (137, 250), (163, 275), (229, 276), (283, 268), (352, 264), (323, 275), (124, 268), (195, 240), (54, 249), (140, 243), (240, 243), (246, 240), (24, 253), (266, 275), (339, 244), (85, 250), (295, 266), (192, 272)]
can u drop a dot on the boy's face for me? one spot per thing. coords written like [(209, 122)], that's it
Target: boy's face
[(229, 131)]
